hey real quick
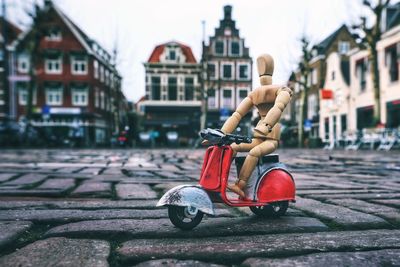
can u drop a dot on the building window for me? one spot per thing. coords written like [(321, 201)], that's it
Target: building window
[(343, 47), (343, 122), (155, 88), (79, 96), (244, 72), (96, 97), (242, 95), (314, 76), (79, 65), (172, 89), (101, 73), (107, 77), (361, 69), (172, 55), (235, 48), (23, 91), (54, 95), (219, 47), (189, 89), (211, 71), (102, 100), (53, 65), (212, 102), (312, 106), (392, 61), (23, 63), (96, 69), (227, 98), (53, 34), (227, 71)]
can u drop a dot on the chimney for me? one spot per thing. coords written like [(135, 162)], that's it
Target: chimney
[(228, 12)]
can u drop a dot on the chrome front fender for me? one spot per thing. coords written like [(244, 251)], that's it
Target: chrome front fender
[(186, 196)]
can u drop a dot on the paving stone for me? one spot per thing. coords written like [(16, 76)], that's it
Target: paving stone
[(234, 249), (55, 216), (341, 216), (10, 231), (93, 189), (92, 171), (208, 227), (135, 191), (391, 202), (6, 176), (77, 204), (176, 263), (359, 196), (60, 252), (384, 257), (27, 179), (30, 192), (388, 213), (57, 184)]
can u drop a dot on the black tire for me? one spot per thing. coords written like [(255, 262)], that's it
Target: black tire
[(179, 217), (273, 210)]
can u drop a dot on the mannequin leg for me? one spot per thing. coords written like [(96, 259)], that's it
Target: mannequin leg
[(250, 163)]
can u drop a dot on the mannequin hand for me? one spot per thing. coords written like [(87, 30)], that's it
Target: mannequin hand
[(263, 129), (205, 143)]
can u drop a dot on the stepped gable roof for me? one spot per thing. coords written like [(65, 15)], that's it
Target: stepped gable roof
[(186, 50)]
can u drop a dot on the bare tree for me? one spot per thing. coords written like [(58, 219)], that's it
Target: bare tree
[(302, 77), (368, 36), (31, 45)]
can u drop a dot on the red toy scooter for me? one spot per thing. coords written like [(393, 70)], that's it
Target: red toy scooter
[(268, 191)]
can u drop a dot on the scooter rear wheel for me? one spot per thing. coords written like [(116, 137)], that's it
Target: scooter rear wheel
[(272, 210), (185, 218)]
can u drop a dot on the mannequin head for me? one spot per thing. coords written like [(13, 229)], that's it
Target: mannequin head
[(265, 67)]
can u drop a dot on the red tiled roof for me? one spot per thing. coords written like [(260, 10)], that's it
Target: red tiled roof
[(187, 51)]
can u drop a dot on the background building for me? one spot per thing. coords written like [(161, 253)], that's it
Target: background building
[(172, 106), (77, 94), (339, 42), (228, 72), (8, 33)]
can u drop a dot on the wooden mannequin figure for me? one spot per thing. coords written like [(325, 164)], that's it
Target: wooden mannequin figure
[(270, 100)]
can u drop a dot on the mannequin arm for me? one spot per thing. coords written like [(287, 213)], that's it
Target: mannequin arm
[(233, 121), (283, 96)]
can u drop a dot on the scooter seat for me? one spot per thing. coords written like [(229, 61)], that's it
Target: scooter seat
[(272, 158)]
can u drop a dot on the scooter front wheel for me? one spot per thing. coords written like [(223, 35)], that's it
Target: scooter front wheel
[(185, 218), (272, 210)]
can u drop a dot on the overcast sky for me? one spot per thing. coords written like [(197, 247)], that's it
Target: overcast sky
[(136, 27)]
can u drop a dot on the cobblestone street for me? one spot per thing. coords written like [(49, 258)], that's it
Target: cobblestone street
[(97, 208)]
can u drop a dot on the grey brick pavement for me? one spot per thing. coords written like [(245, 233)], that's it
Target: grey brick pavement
[(97, 208)]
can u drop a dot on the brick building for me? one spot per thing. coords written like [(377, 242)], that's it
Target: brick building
[(77, 87), (8, 32), (172, 104), (229, 72)]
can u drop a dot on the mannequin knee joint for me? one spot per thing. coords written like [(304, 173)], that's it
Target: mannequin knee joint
[(256, 152)]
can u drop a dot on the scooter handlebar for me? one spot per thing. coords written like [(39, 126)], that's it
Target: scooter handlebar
[(217, 137)]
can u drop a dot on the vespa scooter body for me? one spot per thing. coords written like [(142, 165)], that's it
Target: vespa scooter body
[(270, 181)]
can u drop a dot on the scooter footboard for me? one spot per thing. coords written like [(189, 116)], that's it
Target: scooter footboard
[(188, 196)]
